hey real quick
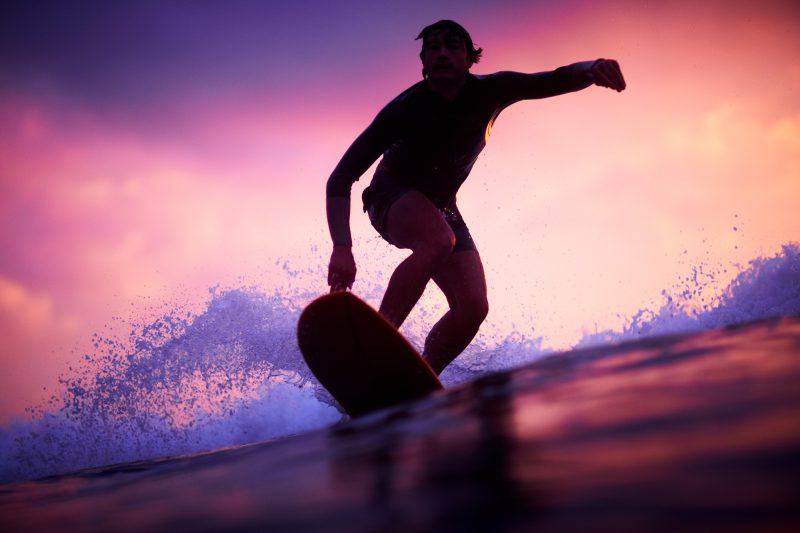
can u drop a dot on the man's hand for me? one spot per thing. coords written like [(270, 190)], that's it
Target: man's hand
[(342, 269), (607, 73)]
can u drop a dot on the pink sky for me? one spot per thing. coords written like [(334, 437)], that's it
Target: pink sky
[(584, 206)]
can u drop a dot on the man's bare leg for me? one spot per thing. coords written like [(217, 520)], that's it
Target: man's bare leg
[(463, 282), (415, 223)]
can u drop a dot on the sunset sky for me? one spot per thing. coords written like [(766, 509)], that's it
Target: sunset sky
[(151, 150)]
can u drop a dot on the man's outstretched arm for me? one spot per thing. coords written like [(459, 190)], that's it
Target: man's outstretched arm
[(516, 86)]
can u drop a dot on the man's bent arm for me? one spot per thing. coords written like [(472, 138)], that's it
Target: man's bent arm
[(342, 267), (362, 153), (338, 211), (356, 160)]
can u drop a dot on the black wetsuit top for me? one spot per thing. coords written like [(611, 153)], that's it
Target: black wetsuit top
[(430, 144)]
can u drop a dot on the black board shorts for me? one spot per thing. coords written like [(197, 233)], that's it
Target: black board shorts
[(378, 212)]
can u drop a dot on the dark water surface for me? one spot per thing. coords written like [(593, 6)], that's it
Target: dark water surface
[(693, 432)]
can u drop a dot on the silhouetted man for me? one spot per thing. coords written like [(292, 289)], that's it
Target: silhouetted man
[(430, 137)]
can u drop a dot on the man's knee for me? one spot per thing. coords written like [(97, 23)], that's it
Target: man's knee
[(445, 242), (480, 310), (473, 310)]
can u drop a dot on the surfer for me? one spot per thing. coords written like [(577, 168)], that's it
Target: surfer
[(430, 137)]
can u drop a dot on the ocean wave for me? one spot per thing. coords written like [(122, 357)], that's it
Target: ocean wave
[(233, 374)]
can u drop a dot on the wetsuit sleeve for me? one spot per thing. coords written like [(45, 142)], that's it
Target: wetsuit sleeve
[(367, 147), (515, 86)]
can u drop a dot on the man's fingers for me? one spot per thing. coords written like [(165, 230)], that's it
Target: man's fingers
[(615, 74), (607, 78), (335, 278), (338, 286), (340, 281)]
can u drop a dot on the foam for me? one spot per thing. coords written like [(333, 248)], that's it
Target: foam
[(233, 374)]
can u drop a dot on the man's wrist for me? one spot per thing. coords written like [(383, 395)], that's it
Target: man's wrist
[(584, 68), (342, 245)]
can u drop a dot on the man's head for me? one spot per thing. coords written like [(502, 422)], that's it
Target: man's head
[(447, 50)]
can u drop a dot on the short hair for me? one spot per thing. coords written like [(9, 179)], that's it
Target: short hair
[(473, 54)]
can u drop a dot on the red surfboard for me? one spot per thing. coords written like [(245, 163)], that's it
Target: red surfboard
[(363, 361)]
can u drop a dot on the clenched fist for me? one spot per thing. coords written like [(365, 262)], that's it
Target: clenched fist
[(607, 73)]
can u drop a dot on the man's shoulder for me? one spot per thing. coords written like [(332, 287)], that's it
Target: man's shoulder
[(495, 77), (493, 81), (398, 108), (420, 91), (410, 94), (505, 82)]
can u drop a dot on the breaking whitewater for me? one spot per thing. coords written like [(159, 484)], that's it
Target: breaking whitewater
[(232, 374)]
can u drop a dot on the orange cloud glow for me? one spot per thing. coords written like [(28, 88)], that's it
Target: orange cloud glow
[(584, 207)]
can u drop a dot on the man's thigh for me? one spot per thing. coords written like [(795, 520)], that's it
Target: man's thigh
[(413, 220)]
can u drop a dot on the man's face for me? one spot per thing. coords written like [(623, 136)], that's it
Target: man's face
[(444, 56)]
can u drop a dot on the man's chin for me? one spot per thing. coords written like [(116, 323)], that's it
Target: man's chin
[(446, 76)]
